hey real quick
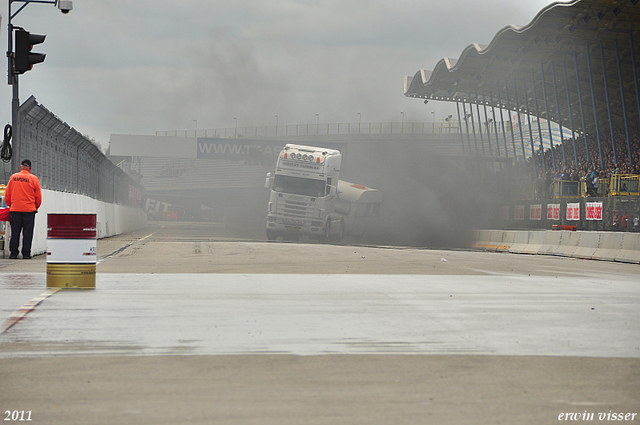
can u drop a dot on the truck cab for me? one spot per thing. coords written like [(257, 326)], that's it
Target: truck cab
[(304, 189)]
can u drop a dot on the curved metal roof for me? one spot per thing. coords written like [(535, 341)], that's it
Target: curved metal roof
[(584, 40)]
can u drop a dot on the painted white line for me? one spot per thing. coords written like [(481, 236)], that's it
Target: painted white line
[(118, 251), (26, 309)]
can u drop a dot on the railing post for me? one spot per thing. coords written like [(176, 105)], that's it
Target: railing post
[(513, 137), (595, 109), (504, 132), (533, 149), (546, 107), (486, 122), (606, 95), (573, 132), (624, 109), (555, 91), (473, 126), (535, 100), (466, 124), (495, 123), (459, 124), (479, 123), (584, 124)]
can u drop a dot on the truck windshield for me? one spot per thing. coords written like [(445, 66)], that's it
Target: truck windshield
[(299, 186)]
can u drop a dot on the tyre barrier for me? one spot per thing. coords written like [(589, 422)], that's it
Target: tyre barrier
[(605, 246)]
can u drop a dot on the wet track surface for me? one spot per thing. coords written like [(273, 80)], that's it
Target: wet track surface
[(169, 314), (246, 331), (191, 289)]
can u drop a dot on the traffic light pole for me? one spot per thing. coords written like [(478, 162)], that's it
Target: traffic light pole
[(15, 126), (65, 7), (15, 101)]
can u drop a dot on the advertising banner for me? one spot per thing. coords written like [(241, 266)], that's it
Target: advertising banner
[(553, 211), (252, 150), (535, 212), (518, 212), (573, 211), (504, 212), (594, 211)]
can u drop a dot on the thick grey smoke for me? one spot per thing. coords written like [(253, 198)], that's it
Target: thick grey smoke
[(429, 200), (134, 67)]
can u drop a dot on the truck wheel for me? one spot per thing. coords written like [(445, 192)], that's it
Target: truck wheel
[(327, 231), (338, 237), (341, 234), (271, 235)]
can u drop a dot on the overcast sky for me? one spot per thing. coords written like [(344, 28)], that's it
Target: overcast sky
[(139, 66)]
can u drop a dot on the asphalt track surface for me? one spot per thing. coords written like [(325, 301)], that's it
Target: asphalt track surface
[(190, 324)]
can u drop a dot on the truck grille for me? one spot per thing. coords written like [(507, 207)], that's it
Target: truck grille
[(295, 212)]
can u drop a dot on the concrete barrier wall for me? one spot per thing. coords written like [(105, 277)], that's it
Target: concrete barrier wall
[(550, 243), (607, 246), (610, 246), (520, 241), (536, 240), (481, 239), (569, 243), (491, 240), (112, 219), (588, 245), (630, 250)]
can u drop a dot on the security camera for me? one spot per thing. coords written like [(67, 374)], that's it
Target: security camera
[(65, 6)]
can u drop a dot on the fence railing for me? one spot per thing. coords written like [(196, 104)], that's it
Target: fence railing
[(624, 184), (444, 126), (618, 185), (64, 160)]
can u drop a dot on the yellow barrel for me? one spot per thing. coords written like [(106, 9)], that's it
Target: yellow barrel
[(71, 250), (75, 276)]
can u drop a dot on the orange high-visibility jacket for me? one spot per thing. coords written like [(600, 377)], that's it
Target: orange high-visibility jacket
[(23, 192)]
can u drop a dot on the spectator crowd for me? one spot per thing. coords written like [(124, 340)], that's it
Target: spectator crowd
[(589, 168)]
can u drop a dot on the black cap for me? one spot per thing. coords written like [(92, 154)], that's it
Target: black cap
[(26, 163)]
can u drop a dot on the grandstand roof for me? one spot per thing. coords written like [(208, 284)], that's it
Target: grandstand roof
[(563, 38)]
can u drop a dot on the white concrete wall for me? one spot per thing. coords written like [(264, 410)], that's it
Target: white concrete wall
[(607, 246), (112, 219)]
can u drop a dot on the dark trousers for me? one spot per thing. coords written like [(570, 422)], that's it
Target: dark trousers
[(21, 222)]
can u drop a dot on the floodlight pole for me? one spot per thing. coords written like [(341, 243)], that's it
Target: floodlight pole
[(13, 81)]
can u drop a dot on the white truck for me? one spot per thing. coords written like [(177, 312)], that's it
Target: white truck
[(359, 206), (308, 199)]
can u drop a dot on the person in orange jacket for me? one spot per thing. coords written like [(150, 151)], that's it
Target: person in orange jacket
[(23, 196)]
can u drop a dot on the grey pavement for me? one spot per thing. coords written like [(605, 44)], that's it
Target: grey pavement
[(191, 325), (175, 314)]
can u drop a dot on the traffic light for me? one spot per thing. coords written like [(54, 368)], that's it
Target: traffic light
[(23, 59)]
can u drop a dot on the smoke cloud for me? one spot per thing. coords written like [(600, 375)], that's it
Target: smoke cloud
[(429, 199)]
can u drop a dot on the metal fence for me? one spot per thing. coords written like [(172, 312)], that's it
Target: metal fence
[(64, 160), (439, 127), (503, 137)]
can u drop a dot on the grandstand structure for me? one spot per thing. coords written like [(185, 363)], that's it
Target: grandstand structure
[(575, 64)]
